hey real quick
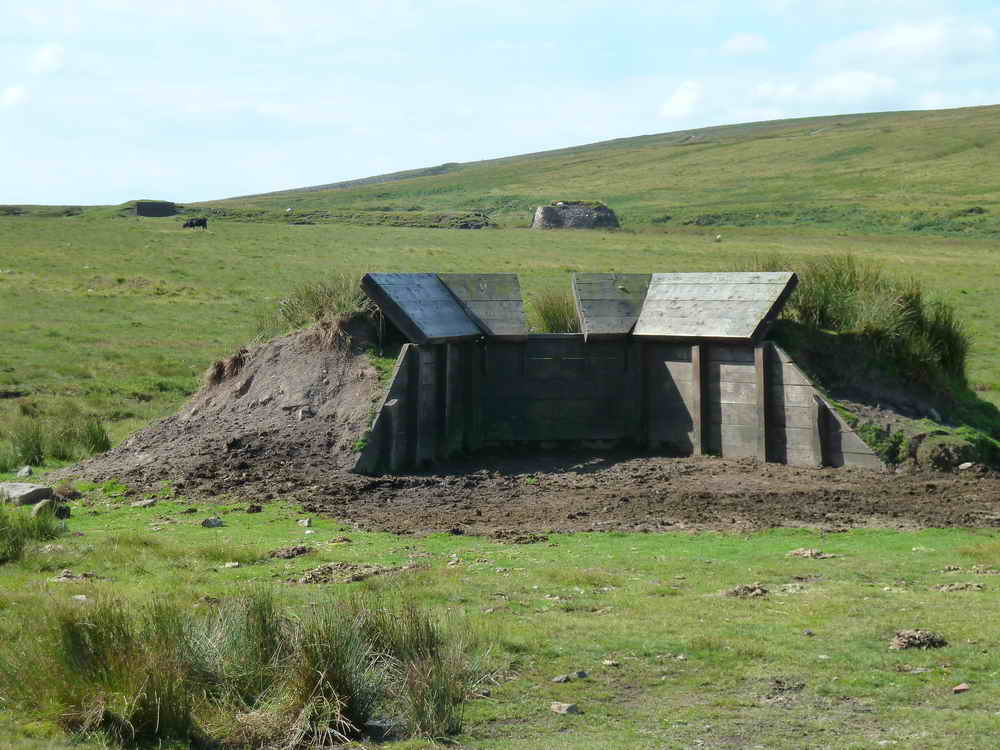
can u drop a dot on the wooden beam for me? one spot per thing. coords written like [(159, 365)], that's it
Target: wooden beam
[(454, 400), (761, 385), (697, 400)]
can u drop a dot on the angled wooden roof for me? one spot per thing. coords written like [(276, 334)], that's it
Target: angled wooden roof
[(608, 304), (421, 306), (492, 300), (724, 306)]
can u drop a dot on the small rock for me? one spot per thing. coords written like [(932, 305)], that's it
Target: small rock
[(960, 688), (22, 493), (24, 472), (310, 531), (255, 508), (808, 633), (964, 466), (187, 511), (212, 523), (305, 522), (562, 678), (747, 591), (812, 554), (611, 663), (45, 506), (147, 503), (482, 693), (581, 675), (231, 565), (564, 708), (82, 598)]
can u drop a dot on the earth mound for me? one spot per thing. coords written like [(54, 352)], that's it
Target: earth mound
[(281, 409)]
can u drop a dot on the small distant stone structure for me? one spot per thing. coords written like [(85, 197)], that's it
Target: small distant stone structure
[(574, 215), (678, 362), (155, 208)]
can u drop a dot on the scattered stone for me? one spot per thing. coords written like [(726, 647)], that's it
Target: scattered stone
[(381, 730), (188, 511), (808, 633), (342, 572), (309, 531), (287, 553), (482, 693), (747, 591), (963, 688), (231, 565), (255, 508), (965, 466), (67, 576), (456, 531), (51, 549), (812, 554), (611, 663), (147, 503), (82, 598), (564, 708), (24, 472), (949, 588), (212, 523), (305, 522), (793, 588), (917, 638), (45, 506), (340, 540), (23, 493), (210, 600), (562, 678)]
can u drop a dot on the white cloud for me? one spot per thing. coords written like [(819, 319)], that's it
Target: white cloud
[(12, 95), (745, 44), (775, 90), (943, 40), (684, 100), (47, 59), (854, 85)]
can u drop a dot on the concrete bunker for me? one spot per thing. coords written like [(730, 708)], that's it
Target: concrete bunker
[(678, 362)]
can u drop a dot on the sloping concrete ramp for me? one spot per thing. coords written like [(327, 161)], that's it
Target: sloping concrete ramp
[(719, 306)]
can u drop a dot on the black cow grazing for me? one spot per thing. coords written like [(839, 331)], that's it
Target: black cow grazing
[(199, 221)]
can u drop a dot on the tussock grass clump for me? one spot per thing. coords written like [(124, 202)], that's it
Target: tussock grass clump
[(63, 432), (18, 529), (243, 673), (555, 312), (923, 339), (336, 298)]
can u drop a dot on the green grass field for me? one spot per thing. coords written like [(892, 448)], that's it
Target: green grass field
[(121, 315)]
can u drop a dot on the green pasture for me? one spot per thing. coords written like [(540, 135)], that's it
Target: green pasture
[(691, 667), (124, 314)]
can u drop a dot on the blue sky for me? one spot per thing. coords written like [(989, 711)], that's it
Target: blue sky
[(102, 101)]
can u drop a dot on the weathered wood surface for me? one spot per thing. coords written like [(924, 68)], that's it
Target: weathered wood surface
[(674, 397), (388, 444), (608, 304), (492, 300), (421, 306), (718, 306)]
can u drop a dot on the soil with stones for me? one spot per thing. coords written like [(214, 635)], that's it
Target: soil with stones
[(282, 422)]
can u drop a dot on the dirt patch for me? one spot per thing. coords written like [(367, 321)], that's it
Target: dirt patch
[(283, 421), (747, 591), (916, 639), (342, 572), (812, 554), (287, 553), (949, 588)]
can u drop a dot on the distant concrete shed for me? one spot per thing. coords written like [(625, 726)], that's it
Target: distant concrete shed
[(574, 215)]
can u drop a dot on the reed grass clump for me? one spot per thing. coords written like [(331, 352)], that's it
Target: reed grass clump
[(336, 298), (18, 529), (555, 312), (244, 673), (63, 432), (922, 339)]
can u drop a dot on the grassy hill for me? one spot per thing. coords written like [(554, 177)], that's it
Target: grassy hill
[(889, 172)]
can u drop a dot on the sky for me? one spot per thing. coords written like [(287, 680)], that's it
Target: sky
[(104, 101)]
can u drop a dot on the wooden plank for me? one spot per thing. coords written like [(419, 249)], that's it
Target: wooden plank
[(698, 375), (473, 362), (632, 386), (420, 305), (492, 300), (761, 388), (454, 399), (608, 304), (427, 417), (720, 306), (730, 353), (732, 372)]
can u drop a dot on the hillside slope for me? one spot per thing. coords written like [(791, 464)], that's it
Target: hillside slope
[(930, 171)]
